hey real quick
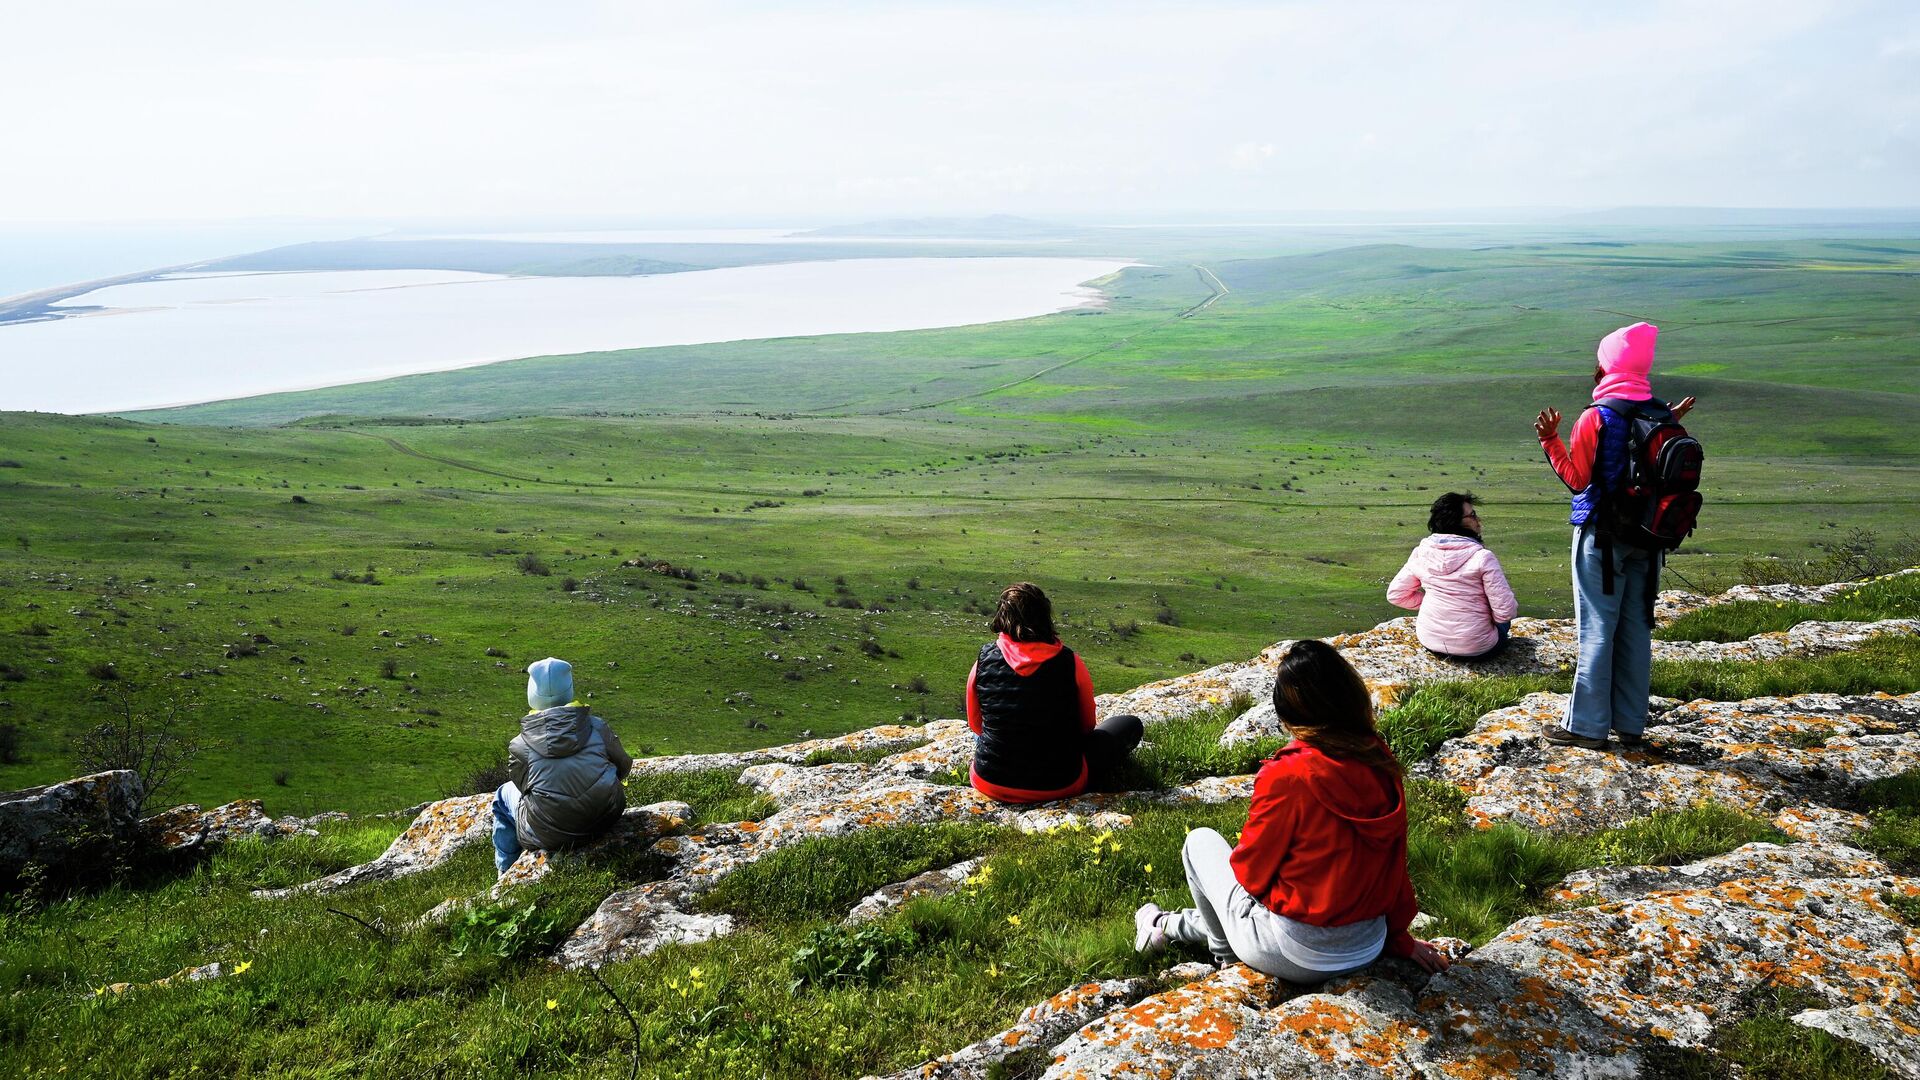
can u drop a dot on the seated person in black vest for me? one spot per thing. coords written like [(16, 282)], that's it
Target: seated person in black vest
[(1030, 700)]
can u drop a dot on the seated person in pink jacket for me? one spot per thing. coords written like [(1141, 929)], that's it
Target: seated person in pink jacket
[(1456, 584)]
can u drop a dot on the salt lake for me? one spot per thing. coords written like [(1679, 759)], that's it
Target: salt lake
[(206, 337)]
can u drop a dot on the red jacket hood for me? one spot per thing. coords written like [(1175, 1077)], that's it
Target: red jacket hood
[(1025, 657), (1361, 795)]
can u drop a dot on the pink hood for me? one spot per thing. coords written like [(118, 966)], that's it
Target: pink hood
[(1626, 357), (1457, 586), (1025, 657)]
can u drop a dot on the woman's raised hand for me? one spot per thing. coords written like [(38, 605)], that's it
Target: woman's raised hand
[(1685, 406), (1547, 424), (1429, 958)]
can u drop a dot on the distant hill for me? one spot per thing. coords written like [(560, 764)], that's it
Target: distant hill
[(993, 227), (1737, 215)]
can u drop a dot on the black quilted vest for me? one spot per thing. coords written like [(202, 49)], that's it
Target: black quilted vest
[(1029, 724)]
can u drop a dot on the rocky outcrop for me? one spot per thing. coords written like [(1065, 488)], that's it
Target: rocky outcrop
[(934, 883), (1757, 756), (440, 830), (1614, 989), (639, 920), (1391, 660), (884, 737), (188, 827), (60, 828), (1038, 1027), (1750, 862)]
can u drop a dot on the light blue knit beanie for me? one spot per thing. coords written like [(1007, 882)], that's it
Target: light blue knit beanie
[(549, 683)]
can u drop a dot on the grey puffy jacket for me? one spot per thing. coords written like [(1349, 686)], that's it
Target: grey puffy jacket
[(568, 766)]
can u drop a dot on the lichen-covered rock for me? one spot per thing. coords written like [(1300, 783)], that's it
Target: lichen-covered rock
[(792, 785), (951, 751), (1259, 722), (442, 829), (942, 882), (635, 922), (884, 737), (1051, 818), (188, 826), (61, 826), (1247, 681), (1202, 1029), (202, 973), (1594, 992), (1038, 1027), (1821, 824), (635, 833), (1757, 861), (1588, 992), (1756, 756)]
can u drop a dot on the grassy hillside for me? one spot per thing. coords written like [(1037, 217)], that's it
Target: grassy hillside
[(1188, 488)]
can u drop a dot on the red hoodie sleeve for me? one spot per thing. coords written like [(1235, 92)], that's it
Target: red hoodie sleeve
[(1400, 916), (1084, 683), (973, 700), (1271, 818), (1574, 466)]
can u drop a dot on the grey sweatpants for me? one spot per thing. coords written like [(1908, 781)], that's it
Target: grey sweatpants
[(1227, 919)]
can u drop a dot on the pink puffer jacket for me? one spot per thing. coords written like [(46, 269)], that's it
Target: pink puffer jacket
[(1457, 586)]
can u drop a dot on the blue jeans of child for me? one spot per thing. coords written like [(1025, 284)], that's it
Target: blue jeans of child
[(1615, 673), (506, 842)]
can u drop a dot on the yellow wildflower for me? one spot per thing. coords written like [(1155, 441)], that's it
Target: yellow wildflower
[(552, 1004), (1149, 868), (241, 967), (1013, 920)]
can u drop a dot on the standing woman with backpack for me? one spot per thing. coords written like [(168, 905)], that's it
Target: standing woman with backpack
[(1632, 469)]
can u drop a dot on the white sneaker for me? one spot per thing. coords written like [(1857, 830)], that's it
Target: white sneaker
[(1148, 937)]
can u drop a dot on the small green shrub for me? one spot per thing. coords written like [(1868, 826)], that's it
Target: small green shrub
[(835, 954), (508, 931)]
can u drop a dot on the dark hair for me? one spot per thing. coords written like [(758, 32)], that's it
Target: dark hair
[(1325, 704), (1449, 511), (1024, 614)]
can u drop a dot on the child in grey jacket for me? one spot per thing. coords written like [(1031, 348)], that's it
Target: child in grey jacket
[(565, 769)]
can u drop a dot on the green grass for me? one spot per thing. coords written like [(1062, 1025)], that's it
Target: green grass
[(1241, 469), (1889, 598), (1427, 715), (714, 794), (466, 998), (1478, 881), (1187, 748), (823, 878), (1887, 664), (1892, 805)]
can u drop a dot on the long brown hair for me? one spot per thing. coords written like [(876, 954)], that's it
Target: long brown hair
[(1025, 613), (1325, 704)]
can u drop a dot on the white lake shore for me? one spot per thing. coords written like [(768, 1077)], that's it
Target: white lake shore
[(194, 338)]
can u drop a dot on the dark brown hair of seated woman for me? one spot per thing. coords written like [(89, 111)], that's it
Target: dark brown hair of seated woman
[(1325, 704), (1024, 614)]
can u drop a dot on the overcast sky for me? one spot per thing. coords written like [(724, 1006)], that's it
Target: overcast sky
[(341, 109)]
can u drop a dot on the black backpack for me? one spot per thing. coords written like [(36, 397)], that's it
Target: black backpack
[(1657, 506)]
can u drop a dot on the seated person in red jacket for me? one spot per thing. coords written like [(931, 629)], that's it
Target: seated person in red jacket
[(1030, 701), (1318, 884)]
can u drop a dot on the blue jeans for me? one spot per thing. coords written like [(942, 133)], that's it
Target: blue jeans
[(1615, 673), (506, 842)]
